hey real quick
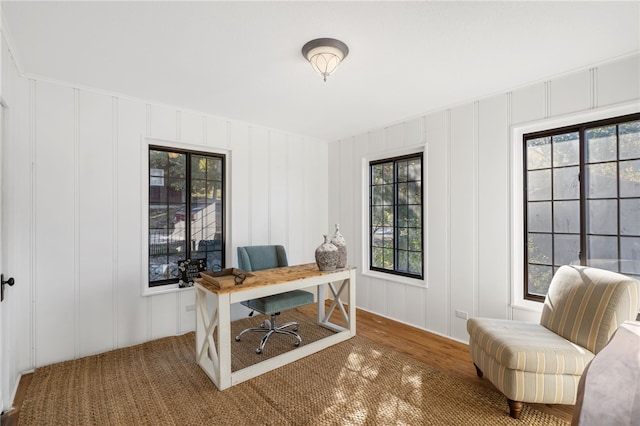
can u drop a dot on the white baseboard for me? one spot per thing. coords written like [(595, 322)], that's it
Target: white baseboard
[(414, 326)]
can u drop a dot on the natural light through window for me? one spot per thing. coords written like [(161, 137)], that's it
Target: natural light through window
[(581, 199)]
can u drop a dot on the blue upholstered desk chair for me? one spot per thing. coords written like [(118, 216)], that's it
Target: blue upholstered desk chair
[(256, 258)]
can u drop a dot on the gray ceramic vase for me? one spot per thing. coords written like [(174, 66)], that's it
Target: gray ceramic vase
[(327, 255), (338, 241)]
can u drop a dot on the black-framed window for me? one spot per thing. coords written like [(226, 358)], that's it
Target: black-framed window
[(581, 200), (186, 211), (395, 216)]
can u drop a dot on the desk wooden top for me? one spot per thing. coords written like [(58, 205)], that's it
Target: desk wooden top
[(273, 276)]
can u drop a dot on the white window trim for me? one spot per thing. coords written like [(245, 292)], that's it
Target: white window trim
[(517, 188), (144, 196), (415, 149)]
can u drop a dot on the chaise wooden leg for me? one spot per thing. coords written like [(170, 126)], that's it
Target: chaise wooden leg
[(478, 371), (515, 408)]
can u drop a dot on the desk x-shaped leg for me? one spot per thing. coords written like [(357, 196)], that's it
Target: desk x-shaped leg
[(324, 318), (214, 360)]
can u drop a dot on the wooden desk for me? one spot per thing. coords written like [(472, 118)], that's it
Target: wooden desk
[(213, 311)]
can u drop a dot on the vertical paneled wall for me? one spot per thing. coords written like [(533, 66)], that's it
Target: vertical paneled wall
[(73, 180), (16, 231), (467, 193), (80, 161)]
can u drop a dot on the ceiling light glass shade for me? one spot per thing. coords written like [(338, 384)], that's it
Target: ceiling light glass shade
[(325, 54)]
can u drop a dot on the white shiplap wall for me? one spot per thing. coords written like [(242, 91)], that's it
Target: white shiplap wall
[(79, 159), (72, 173), (17, 236), (468, 195)]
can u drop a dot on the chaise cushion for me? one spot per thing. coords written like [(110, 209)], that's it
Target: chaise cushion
[(527, 346), (518, 385)]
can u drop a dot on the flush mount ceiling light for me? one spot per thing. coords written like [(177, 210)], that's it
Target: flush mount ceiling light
[(325, 54)]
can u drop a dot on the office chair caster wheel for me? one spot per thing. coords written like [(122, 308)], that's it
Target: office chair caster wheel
[(296, 343), (258, 351), (295, 328), (237, 338)]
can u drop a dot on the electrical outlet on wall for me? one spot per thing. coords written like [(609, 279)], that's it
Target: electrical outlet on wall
[(462, 314)]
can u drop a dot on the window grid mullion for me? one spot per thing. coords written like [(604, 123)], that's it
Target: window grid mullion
[(395, 215), (553, 205), (618, 230), (371, 236), (582, 255), (187, 205), (187, 214), (581, 129), (395, 206)]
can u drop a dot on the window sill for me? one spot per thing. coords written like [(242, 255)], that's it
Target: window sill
[(165, 289), (528, 305), (395, 278)]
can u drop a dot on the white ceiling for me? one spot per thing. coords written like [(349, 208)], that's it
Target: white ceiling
[(242, 60)]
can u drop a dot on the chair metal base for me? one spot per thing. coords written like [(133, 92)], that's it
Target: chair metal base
[(270, 327)]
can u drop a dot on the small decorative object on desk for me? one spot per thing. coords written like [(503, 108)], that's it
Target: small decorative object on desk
[(326, 255), (188, 270), (338, 241)]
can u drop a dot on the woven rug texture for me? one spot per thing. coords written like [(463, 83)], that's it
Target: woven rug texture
[(356, 382)]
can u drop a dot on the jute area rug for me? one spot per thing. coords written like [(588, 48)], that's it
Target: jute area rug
[(356, 382)]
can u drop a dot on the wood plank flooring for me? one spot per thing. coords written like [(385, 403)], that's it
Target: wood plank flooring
[(11, 418), (442, 353)]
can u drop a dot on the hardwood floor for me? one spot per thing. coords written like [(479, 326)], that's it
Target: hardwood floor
[(11, 418), (442, 353)]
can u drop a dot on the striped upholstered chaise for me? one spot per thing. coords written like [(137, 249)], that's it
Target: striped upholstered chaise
[(542, 363)]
